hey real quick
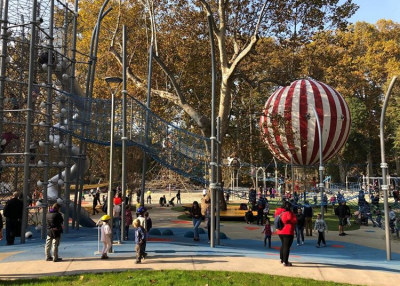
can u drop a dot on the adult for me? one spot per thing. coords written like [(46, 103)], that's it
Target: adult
[(308, 215), (148, 197), (396, 196), (96, 201), (392, 219), (117, 219), (178, 197), (162, 201), (260, 211), (342, 211), (300, 226), (286, 234), (54, 222), (195, 212), (13, 213)]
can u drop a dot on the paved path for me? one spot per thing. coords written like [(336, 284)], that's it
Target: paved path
[(359, 258)]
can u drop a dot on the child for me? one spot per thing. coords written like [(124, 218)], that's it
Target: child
[(267, 233), (105, 235), (321, 227), (140, 239), (128, 222)]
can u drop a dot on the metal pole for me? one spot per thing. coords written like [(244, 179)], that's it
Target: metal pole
[(147, 123), (219, 189), (384, 167), (321, 167), (49, 110), (212, 138), (29, 121), (3, 57), (110, 196), (276, 174), (124, 138)]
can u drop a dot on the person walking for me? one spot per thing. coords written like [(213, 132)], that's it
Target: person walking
[(13, 214), (178, 197), (106, 236), (140, 239), (308, 214), (286, 234), (54, 222), (300, 226), (148, 197), (342, 211), (96, 201), (320, 227), (128, 222), (117, 221), (195, 212)]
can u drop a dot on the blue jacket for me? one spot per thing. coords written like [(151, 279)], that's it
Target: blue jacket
[(140, 236)]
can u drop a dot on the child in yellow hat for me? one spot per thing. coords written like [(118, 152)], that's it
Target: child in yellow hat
[(105, 236)]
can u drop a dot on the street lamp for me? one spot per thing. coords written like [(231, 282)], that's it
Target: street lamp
[(113, 84)]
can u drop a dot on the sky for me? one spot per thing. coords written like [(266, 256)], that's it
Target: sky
[(373, 10)]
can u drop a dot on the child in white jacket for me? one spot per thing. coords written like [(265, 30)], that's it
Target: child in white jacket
[(105, 235)]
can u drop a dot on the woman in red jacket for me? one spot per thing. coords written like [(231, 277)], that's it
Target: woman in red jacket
[(286, 234)]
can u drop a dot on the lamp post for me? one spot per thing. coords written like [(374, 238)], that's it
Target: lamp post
[(321, 167), (113, 84), (384, 167)]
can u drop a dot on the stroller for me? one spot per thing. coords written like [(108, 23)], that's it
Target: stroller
[(360, 218), (171, 202)]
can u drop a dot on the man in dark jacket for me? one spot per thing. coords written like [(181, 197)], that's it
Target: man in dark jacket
[(13, 213), (342, 212), (300, 226), (54, 221), (308, 214)]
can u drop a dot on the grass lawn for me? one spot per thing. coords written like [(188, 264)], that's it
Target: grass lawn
[(171, 277)]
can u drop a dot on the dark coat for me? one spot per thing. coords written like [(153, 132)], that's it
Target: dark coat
[(54, 221), (13, 209)]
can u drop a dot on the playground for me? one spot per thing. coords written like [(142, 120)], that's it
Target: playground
[(360, 255), (72, 125)]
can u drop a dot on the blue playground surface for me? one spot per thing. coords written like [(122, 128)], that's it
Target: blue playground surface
[(84, 244)]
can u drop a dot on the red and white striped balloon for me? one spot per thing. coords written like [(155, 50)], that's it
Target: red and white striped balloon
[(289, 124)]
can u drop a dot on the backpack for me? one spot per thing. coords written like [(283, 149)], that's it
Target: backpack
[(278, 223)]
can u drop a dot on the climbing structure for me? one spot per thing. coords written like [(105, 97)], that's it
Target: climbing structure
[(47, 117)]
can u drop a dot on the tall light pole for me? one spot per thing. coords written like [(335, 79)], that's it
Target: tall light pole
[(321, 167), (113, 84), (384, 167)]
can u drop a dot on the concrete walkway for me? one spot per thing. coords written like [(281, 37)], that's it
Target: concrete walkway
[(359, 258)]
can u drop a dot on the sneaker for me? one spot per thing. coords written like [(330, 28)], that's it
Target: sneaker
[(298, 244), (302, 242), (103, 257), (57, 259), (324, 245), (341, 234), (317, 246), (137, 262), (144, 256), (344, 233), (49, 258)]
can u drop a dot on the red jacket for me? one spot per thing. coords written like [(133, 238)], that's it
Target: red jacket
[(289, 219)]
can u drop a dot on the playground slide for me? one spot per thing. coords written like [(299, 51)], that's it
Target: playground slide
[(52, 190)]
